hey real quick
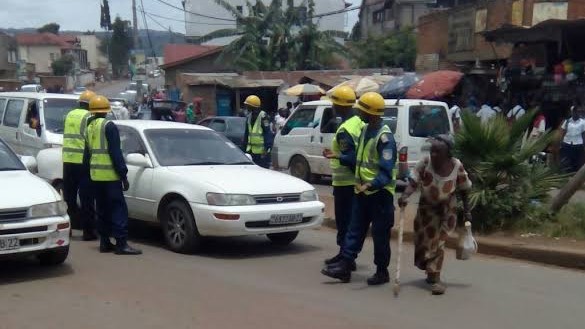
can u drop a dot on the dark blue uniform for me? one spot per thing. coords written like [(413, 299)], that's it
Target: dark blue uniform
[(377, 208)]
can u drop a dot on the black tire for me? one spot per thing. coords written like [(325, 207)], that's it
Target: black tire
[(283, 239), (299, 168), (179, 228), (54, 257)]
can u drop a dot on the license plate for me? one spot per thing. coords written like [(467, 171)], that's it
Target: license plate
[(286, 219), (9, 243)]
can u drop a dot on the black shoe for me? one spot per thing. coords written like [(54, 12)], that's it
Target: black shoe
[(340, 270), (127, 250), (380, 277), (89, 236), (333, 260), (106, 247)]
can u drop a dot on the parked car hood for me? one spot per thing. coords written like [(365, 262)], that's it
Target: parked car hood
[(251, 179), (21, 189)]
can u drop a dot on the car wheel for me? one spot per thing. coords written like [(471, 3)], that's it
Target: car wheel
[(299, 168), (179, 228), (54, 257), (283, 239)]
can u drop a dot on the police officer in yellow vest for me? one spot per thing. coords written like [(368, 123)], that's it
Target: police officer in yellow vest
[(343, 160), (108, 175), (75, 174), (258, 132), (374, 200)]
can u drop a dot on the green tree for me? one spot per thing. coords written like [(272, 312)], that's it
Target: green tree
[(397, 49), (119, 46), (63, 66), (51, 28), (496, 156), (274, 38)]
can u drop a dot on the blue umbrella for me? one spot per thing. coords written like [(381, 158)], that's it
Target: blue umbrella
[(397, 87)]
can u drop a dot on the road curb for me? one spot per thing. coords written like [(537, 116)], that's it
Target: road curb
[(490, 246)]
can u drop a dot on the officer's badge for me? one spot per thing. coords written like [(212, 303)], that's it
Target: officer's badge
[(384, 138), (387, 155)]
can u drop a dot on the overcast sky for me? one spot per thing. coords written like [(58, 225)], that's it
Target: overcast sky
[(84, 15)]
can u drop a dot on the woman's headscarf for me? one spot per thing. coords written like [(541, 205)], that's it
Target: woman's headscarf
[(448, 141)]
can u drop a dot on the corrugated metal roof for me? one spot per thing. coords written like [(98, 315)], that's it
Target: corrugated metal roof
[(230, 80)]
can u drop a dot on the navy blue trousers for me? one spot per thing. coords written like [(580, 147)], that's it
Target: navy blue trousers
[(376, 209), (76, 181), (261, 160), (343, 210), (111, 209)]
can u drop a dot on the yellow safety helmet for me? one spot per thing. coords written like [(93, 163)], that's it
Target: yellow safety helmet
[(371, 103), (99, 104), (86, 96), (253, 101), (343, 96)]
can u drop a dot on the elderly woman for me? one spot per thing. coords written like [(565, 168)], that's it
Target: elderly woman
[(439, 178)]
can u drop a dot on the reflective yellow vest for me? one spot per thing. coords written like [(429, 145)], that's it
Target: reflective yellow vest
[(343, 175), (368, 161), (74, 136), (100, 164), (255, 136)]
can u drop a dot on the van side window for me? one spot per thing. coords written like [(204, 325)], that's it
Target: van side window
[(390, 118), (2, 103), (428, 120), (303, 117), (329, 122), (13, 112)]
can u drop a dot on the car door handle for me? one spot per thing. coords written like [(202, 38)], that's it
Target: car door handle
[(17, 136), (312, 139), (321, 139)]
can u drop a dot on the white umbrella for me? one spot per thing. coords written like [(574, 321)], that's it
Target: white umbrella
[(361, 85)]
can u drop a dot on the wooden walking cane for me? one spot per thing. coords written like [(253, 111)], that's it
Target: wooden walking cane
[(396, 287)]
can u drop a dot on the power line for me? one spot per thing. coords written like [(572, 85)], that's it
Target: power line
[(194, 13), (185, 21), (154, 20), (147, 31)]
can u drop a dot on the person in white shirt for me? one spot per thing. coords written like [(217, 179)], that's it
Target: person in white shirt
[(280, 120), (572, 148), (485, 113), (516, 113), (455, 114)]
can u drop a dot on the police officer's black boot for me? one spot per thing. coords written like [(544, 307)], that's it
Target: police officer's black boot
[(122, 248), (380, 277), (340, 270), (336, 259), (106, 245)]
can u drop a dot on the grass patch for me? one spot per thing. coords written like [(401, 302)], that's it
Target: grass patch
[(568, 223)]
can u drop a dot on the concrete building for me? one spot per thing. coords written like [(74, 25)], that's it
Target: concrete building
[(42, 49), (379, 17), (95, 58), (8, 57), (197, 26)]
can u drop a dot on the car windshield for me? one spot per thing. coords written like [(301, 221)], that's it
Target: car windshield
[(192, 147), (428, 120), (8, 160), (28, 89), (55, 110)]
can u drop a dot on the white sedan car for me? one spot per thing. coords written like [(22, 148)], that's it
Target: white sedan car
[(33, 218), (195, 183)]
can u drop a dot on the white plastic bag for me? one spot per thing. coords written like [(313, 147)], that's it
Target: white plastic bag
[(467, 244)]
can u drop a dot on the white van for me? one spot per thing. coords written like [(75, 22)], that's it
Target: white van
[(18, 111), (310, 129)]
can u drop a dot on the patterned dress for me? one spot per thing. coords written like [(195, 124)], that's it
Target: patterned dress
[(437, 212)]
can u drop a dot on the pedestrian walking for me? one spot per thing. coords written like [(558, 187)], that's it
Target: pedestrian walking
[(572, 148), (374, 194), (440, 178), (258, 132), (486, 113), (342, 156), (515, 113), (108, 175), (75, 174)]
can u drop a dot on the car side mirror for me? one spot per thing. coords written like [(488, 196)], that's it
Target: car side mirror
[(249, 156), (29, 162), (138, 160)]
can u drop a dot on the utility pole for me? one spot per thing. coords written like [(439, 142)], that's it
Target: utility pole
[(135, 24)]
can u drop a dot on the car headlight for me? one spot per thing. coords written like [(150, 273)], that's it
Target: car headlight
[(52, 209), (309, 196), (220, 199)]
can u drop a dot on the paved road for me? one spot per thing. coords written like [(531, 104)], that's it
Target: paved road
[(117, 86), (248, 283)]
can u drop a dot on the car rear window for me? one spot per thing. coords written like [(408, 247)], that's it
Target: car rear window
[(428, 120)]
